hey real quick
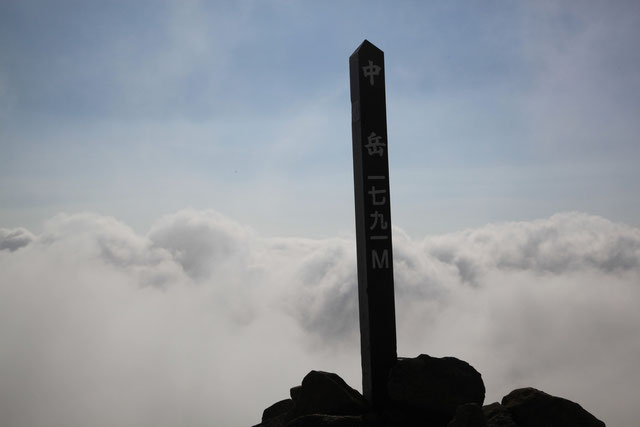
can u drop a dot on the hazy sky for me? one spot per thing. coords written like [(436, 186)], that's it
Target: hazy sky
[(176, 201), (499, 111)]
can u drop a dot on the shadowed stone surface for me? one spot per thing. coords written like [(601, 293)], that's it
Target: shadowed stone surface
[(319, 420), (430, 389), (426, 392), (326, 393), (534, 408), (276, 414), (468, 415), (497, 415)]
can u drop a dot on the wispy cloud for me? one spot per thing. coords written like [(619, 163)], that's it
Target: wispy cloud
[(13, 239)]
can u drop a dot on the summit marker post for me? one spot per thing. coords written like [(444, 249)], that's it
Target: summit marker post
[(373, 222)]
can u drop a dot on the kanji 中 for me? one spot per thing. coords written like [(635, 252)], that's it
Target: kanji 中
[(371, 71)]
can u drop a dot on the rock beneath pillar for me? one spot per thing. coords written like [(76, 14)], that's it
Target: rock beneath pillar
[(533, 408), (497, 415), (428, 390), (276, 414), (468, 415), (326, 393), (425, 391), (320, 420)]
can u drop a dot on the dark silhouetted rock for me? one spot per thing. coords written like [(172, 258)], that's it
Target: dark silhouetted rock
[(533, 408), (429, 390), (468, 415), (276, 414), (319, 420), (328, 394), (295, 392), (497, 415), (273, 422), (424, 392)]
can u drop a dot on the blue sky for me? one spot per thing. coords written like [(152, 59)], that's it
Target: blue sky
[(497, 111)]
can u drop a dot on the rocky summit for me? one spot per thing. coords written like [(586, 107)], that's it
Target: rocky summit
[(424, 392)]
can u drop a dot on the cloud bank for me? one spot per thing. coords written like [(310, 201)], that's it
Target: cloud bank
[(203, 322)]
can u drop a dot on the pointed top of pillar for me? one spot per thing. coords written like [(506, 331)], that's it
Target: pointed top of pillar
[(367, 47)]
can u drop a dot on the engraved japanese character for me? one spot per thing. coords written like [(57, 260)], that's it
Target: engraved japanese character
[(375, 200), (374, 145), (371, 71), (378, 220)]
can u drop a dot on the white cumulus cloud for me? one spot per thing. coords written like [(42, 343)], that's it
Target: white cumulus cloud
[(204, 322)]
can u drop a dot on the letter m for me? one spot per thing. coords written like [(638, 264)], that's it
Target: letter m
[(380, 262)]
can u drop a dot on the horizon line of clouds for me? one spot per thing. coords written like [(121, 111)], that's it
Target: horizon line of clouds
[(198, 241), (438, 245)]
